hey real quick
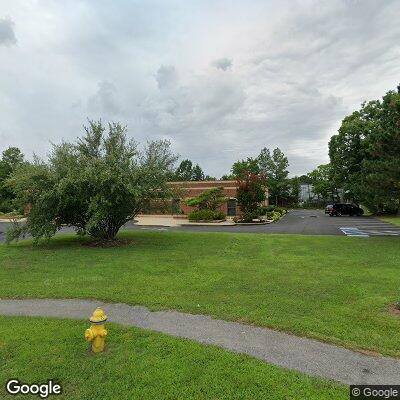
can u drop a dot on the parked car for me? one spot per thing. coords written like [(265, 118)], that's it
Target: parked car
[(338, 209)]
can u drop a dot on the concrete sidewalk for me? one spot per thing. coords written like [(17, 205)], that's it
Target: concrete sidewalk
[(305, 355), (170, 221)]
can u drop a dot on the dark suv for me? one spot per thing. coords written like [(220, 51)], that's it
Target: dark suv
[(338, 209)]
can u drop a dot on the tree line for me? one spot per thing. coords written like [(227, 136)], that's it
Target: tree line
[(102, 180), (365, 157), (271, 165)]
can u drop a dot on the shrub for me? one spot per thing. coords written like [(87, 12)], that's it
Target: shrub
[(276, 215), (206, 215), (273, 215), (280, 210), (266, 209), (249, 216)]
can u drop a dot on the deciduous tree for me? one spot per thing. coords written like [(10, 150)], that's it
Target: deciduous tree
[(96, 184), (11, 159), (274, 166)]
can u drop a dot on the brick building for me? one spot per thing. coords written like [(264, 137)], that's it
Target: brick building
[(190, 189)]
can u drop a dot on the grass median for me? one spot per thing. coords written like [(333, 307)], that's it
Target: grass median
[(336, 289), (393, 219)]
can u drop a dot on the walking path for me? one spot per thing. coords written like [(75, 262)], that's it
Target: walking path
[(305, 355)]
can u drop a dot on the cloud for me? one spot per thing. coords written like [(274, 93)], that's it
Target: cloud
[(7, 35), (104, 101), (299, 69), (222, 63), (166, 77)]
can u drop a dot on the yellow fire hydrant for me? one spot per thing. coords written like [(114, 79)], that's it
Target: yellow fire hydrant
[(96, 333)]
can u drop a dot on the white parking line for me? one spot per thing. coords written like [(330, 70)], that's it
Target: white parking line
[(384, 233), (352, 231)]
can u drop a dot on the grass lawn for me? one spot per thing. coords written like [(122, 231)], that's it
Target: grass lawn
[(331, 288), (142, 365), (393, 219)]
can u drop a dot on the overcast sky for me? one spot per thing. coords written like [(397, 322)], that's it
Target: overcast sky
[(220, 79)]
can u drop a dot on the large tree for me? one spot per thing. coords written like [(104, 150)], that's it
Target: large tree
[(96, 184), (197, 173), (241, 168), (294, 190), (10, 160), (347, 152), (323, 184), (365, 154), (184, 172), (382, 163), (187, 171), (274, 166)]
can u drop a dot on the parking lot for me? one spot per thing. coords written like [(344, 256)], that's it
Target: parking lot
[(365, 226), (300, 222)]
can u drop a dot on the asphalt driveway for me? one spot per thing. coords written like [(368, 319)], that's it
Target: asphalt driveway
[(302, 222)]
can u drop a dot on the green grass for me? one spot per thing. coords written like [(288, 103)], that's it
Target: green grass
[(393, 219), (332, 288), (142, 365)]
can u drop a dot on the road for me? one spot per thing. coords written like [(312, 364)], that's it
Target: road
[(303, 222)]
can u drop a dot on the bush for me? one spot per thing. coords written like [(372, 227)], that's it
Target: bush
[(280, 210), (270, 208), (267, 209), (273, 215), (249, 216), (206, 215)]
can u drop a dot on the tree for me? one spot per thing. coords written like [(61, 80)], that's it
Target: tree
[(294, 190), (197, 173), (323, 183), (382, 163), (242, 167), (250, 193), (228, 177), (365, 154), (11, 159), (186, 171), (347, 152), (96, 184), (210, 199), (275, 168), (304, 180)]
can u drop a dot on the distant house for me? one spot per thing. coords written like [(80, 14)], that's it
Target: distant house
[(306, 193)]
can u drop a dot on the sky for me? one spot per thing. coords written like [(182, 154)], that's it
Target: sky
[(219, 79)]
